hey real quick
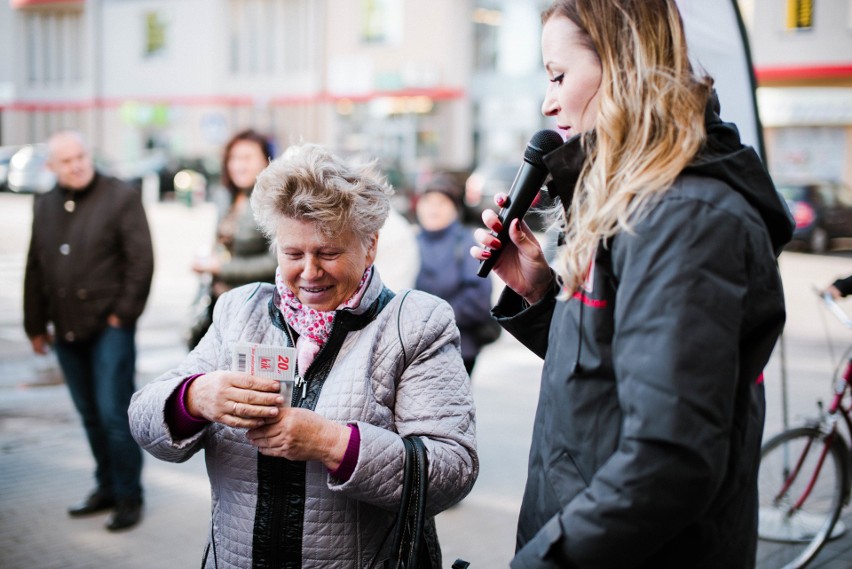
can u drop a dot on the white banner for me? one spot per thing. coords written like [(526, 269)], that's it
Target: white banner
[(717, 44)]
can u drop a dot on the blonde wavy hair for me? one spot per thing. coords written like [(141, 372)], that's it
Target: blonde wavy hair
[(309, 183), (649, 126)]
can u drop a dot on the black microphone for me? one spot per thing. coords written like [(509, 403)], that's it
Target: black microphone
[(528, 182)]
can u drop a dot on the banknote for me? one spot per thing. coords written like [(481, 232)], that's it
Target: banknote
[(271, 362)]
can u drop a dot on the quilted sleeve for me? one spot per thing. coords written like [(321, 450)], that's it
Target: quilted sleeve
[(148, 423), (147, 407), (432, 400)]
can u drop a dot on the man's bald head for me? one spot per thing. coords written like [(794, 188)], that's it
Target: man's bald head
[(69, 158)]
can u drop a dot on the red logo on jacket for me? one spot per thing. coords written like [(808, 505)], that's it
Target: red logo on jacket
[(587, 288)]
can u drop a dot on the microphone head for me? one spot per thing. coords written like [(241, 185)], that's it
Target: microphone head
[(541, 143)]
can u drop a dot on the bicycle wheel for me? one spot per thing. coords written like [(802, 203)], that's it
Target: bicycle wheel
[(791, 537)]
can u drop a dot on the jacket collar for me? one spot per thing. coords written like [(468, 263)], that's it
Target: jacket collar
[(565, 164)]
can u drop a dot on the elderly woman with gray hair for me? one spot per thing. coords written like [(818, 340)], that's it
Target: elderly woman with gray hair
[(315, 480)]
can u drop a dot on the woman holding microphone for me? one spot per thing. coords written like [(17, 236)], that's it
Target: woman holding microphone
[(662, 310)]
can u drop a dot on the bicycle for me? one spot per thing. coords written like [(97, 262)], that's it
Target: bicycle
[(805, 477)]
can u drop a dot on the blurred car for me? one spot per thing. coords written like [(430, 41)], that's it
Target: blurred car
[(488, 180), (28, 171), (6, 153), (822, 211), (166, 177)]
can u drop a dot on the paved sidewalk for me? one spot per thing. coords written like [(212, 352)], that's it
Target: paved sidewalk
[(45, 465)]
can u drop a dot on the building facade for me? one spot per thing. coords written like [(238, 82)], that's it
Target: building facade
[(384, 78), (419, 85), (803, 63)]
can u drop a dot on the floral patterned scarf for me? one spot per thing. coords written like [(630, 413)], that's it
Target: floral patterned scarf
[(314, 326)]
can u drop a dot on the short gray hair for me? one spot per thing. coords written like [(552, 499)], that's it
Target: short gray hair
[(309, 183)]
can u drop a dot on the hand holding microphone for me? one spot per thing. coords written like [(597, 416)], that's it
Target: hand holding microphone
[(528, 182)]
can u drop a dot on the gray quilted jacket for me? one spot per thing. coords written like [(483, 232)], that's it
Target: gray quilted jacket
[(401, 373)]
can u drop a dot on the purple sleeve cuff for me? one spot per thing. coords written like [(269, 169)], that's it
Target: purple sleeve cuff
[(180, 422), (350, 457)]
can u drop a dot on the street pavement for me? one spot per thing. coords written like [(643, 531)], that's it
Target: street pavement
[(45, 464)]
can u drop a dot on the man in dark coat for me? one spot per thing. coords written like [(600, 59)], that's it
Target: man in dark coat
[(88, 273)]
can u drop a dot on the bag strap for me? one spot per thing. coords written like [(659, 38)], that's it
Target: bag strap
[(405, 361), (408, 532), (409, 527)]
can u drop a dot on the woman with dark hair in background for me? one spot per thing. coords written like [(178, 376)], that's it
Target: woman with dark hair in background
[(241, 254)]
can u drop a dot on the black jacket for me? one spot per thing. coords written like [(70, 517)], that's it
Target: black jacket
[(649, 424), (86, 264)]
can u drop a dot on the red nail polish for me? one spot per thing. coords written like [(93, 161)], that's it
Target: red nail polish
[(486, 254)]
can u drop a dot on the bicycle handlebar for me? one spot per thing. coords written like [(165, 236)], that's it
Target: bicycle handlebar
[(835, 308)]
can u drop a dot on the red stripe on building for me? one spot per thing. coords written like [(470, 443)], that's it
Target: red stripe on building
[(24, 3), (439, 94), (808, 72)]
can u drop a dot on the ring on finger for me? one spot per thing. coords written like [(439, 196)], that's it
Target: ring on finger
[(235, 409)]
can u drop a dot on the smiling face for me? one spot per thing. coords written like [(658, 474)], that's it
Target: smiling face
[(323, 273), (246, 160), (575, 76)]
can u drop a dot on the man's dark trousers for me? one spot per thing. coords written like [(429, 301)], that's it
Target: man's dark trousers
[(100, 374)]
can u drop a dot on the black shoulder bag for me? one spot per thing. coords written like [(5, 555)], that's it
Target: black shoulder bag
[(408, 530), (414, 536)]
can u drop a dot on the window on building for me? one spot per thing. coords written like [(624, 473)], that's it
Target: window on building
[(800, 14), (486, 34), (381, 21), (53, 47), (299, 35), (156, 34), (269, 37)]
